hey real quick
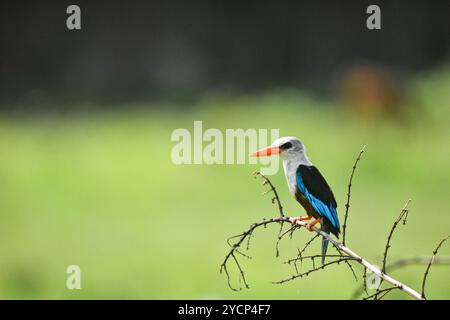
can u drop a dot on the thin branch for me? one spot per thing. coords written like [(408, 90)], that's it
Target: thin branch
[(368, 265), (389, 290), (365, 280), (383, 292), (241, 237), (301, 275), (307, 244), (276, 198), (300, 258), (240, 270), (429, 265), (280, 236), (316, 256), (349, 266), (402, 263), (403, 215), (347, 205), (349, 254), (300, 252)]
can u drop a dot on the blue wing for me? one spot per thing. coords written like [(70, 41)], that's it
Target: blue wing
[(316, 190)]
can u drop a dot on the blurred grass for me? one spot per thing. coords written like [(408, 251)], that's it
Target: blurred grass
[(99, 190)]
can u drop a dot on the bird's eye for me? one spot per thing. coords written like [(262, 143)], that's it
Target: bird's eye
[(286, 145)]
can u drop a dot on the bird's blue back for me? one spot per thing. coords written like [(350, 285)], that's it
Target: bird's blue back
[(324, 210)]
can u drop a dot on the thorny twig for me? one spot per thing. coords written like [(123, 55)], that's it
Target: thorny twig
[(300, 252), (307, 244), (383, 292), (347, 205), (280, 236), (402, 217), (275, 198), (235, 247), (316, 256), (349, 255), (348, 264), (429, 265), (365, 280), (301, 275), (402, 263)]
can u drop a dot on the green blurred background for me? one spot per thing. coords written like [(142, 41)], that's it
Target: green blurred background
[(90, 182)]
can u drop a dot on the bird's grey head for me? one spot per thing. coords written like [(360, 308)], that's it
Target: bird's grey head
[(290, 148)]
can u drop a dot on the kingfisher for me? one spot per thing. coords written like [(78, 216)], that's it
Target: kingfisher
[(307, 185)]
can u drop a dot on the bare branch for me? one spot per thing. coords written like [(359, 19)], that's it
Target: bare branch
[(240, 270), (383, 292), (280, 236), (304, 274), (276, 198), (241, 237), (403, 215), (349, 255), (349, 266), (429, 265), (307, 244), (272, 189), (388, 290), (300, 258), (300, 252), (347, 205), (402, 263), (313, 257), (365, 280)]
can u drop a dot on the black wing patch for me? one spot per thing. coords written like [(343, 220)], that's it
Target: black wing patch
[(316, 184)]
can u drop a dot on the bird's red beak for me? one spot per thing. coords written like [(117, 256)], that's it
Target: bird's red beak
[(268, 151)]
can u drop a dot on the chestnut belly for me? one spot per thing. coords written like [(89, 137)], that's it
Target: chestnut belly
[(306, 205)]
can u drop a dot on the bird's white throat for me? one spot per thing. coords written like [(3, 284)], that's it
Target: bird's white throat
[(290, 166)]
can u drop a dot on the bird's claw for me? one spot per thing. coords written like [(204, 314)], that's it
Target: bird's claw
[(309, 226), (294, 220)]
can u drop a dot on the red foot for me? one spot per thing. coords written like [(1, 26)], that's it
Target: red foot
[(312, 224), (294, 220)]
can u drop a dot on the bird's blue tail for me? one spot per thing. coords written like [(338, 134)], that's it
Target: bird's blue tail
[(324, 249)]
